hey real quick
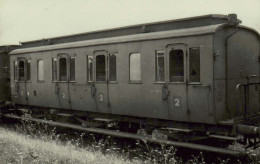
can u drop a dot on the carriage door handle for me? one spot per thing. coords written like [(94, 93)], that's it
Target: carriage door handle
[(165, 92), (93, 90)]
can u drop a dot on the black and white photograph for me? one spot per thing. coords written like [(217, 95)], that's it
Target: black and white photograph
[(129, 82)]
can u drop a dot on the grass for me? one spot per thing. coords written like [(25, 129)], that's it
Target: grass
[(20, 148), (38, 143)]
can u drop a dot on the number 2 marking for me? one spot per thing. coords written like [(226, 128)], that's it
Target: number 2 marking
[(63, 95), (100, 97), (177, 102)]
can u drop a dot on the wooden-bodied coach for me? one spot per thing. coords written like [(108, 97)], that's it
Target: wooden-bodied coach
[(170, 74)]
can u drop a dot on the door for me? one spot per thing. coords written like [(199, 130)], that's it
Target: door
[(22, 77), (200, 103), (101, 81), (63, 86), (199, 92), (177, 99), (189, 99)]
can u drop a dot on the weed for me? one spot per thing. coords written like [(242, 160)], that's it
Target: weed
[(40, 143)]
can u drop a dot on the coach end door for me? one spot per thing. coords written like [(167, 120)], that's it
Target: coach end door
[(22, 77), (199, 85)]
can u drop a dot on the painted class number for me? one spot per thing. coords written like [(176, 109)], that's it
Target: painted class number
[(63, 95), (177, 102), (101, 98)]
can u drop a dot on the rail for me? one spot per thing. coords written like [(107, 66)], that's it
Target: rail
[(235, 153)]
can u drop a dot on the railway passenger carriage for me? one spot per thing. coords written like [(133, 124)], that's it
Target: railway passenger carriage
[(177, 77), (4, 73)]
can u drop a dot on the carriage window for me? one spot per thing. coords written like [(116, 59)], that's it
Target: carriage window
[(28, 70), (100, 68), (72, 68), (21, 70), (54, 69), (40, 70), (176, 66), (63, 69), (15, 70), (194, 72), (135, 67), (89, 68), (112, 67), (159, 66)]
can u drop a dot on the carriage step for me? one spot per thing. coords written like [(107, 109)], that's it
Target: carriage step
[(225, 137), (104, 119), (178, 129)]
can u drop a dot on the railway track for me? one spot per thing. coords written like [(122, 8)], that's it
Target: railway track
[(183, 146)]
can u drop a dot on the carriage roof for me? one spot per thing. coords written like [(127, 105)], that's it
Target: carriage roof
[(190, 22), (131, 38)]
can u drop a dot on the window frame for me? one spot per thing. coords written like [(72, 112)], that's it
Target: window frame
[(188, 72), (87, 68), (108, 66), (38, 60), (59, 77), (156, 66), (177, 47), (26, 70), (16, 73), (95, 54), (68, 57), (56, 69), (140, 62), (69, 72)]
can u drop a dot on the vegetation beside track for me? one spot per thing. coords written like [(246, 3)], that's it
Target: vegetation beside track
[(20, 148), (29, 142)]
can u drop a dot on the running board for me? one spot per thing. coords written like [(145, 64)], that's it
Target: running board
[(133, 136)]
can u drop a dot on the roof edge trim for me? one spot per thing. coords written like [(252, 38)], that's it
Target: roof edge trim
[(128, 38)]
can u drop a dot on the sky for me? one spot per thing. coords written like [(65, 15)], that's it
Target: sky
[(25, 20)]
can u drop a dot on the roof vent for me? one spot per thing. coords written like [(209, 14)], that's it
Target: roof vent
[(232, 20), (145, 29), (50, 42)]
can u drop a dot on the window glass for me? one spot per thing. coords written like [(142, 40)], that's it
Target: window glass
[(159, 64), (112, 67), (176, 66), (63, 69), (194, 72), (40, 70), (28, 70), (89, 68), (54, 69), (21, 71), (15, 71), (135, 67), (72, 68), (100, 68)]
